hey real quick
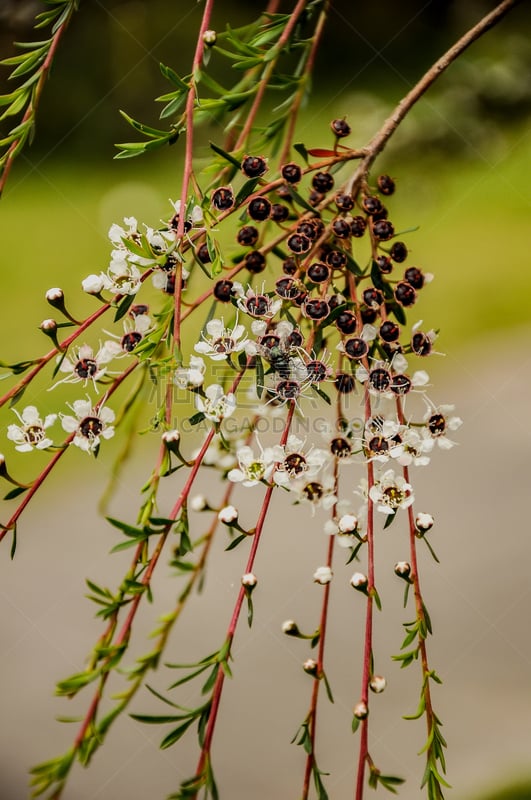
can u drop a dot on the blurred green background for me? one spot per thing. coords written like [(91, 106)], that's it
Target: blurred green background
[(462, 160)]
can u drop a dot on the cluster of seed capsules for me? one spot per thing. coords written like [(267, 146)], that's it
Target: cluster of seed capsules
[(321, 285)]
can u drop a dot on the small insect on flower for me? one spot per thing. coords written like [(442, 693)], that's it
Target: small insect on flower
[(89, 424), (31, 433)]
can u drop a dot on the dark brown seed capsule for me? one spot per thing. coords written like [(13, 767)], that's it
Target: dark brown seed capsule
[(401, 384), (138, 309), (295, 339), (223, 291), (254, 166), (421, 344), (383, 229), (340, 447), (318, 272), (308, 229), (255, 262), (336, 259), (247, 236), (289, 266), (223, 198), (259, 208), (380, 379), (344, 202), (322, 182), (316, 371), (346, 322), (341, 228), (405, 294), (368, 314), (344, 383), (315, 197), (356, 348), (386, 185), (288, 288), (371, 205), (257, 305), (203, 254), (398, 252), (389, 331), (291, 172), (279, 212), (316, 308), (384, 264), (373, 297), (340, 128), (357, 226), (414, 276), (298, 243), (130, 340)]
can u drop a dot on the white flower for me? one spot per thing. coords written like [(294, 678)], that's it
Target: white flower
[(259, 305), (320, 494), (192, 375), (92, 284), (322, 575), (196, 215), (117, 232), (438, 422), (252, 469), (294, 462), (216, 405), (84, 365), (221, 341), (228, 515), (122, 277), (134, 331), (391, 492), (89, 424), (31, 433), (424, 522)]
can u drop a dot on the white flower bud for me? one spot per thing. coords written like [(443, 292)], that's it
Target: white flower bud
[(171, 436), (55, 294), (290, 628), (359, 581), (228, 515), (198, 503), (403, 569), (209, 38), (348, 523), (249, 580), (424, 522), (48, 325), (323, 575), (92, 284), (310, 666), (377, 684), (361, 711)]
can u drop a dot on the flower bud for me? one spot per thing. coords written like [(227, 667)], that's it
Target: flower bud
[(49, 327), (423, 522), (377, 684), (210, 38), (55, 296), (290, 628), (361, 711), (360, 582), (92, 284), (322, 575), (228, 515), (403, 569), (249, 581), (311, 667), (199, 503), (348, 523)]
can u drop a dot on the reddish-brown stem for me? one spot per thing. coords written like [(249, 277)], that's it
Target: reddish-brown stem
[(294, 113), (312, 715), (379, 141), (257, 102), (188, 166), (35, 98), (231, 630)]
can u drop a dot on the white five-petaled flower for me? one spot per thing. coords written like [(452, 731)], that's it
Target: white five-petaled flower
[(118, 232), (253, 469), (191, 376), (89, 424), (391, 492), (122, 277), (295, 463), (134, 331), (437, 423), (216, 405), (219, 341), (84, 365), (31, 433)]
